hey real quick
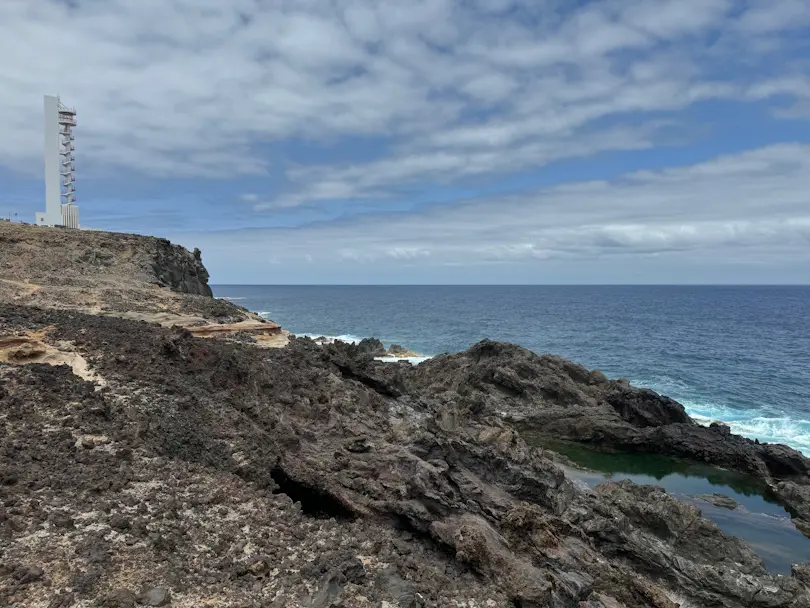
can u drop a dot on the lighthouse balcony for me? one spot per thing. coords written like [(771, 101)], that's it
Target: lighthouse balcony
[(66, 118)]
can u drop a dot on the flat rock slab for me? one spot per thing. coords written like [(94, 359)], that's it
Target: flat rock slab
[(719, 500)]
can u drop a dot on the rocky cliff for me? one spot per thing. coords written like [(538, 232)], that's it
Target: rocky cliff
[(161, 469), (53, 257)]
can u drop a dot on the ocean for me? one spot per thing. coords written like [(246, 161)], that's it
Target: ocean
[(736, 354)]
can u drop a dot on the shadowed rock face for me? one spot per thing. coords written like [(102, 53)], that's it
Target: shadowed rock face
[(409, 488), (178, 270)]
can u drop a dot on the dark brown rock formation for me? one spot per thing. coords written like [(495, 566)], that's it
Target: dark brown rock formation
[(226, 475)]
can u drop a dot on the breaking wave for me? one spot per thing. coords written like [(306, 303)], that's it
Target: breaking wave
[(766, 426), (352, 339)]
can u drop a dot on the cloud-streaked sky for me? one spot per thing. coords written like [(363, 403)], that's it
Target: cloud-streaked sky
[(428, 141)]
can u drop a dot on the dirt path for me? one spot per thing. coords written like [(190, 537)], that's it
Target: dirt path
[(30, 288)]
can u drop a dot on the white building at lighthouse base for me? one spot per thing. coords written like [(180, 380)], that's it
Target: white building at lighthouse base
[(68, 217)]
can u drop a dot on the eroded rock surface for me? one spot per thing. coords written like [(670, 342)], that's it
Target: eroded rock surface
[(106, 272), (550, 396), (313, 476)]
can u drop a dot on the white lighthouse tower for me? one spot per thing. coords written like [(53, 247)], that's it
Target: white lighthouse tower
[(60, 188)]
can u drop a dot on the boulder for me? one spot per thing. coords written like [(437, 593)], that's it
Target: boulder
[(643, 407), (395, 350), (371, 347)]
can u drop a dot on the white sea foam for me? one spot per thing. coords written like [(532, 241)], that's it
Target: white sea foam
[(264, 313), (352, 339), (230, 298), (768, 427), (331, 339), (413, 360)]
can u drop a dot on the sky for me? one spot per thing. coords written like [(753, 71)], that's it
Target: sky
[(428, 141)]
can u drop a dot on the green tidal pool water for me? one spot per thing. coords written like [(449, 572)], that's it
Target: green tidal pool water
[(759, 519)]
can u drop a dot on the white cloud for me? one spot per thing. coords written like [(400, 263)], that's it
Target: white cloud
[(442, 91), (194, 88), (773, 15), (753, 206)]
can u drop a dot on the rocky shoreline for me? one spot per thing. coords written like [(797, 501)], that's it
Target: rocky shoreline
[(375, 348), (142, 465)]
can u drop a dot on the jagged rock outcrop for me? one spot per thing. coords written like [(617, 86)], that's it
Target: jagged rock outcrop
[(396, 350), (371, 347), (314, 476), (178, 269), (550, 396)]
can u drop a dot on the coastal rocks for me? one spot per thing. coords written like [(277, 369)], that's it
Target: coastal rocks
[(722, 427), (797, 497), (643, 407), (179, 270), (107, 273), (652, 509), (395, 350), (120, 598), (371, 347), (314, 475), (719, 500), (801, 572), (782, 461), (550, 396)]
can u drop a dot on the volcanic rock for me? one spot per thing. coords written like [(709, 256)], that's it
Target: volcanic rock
[(371, 347), (719, 500), (316, 476), (549, 396)]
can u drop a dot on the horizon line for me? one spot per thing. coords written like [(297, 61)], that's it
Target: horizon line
[(510, 284)]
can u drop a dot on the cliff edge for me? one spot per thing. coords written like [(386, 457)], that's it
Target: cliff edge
[(53, 267), (141, 278)]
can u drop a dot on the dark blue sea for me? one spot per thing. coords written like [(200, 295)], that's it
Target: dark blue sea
[(736, 354)]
